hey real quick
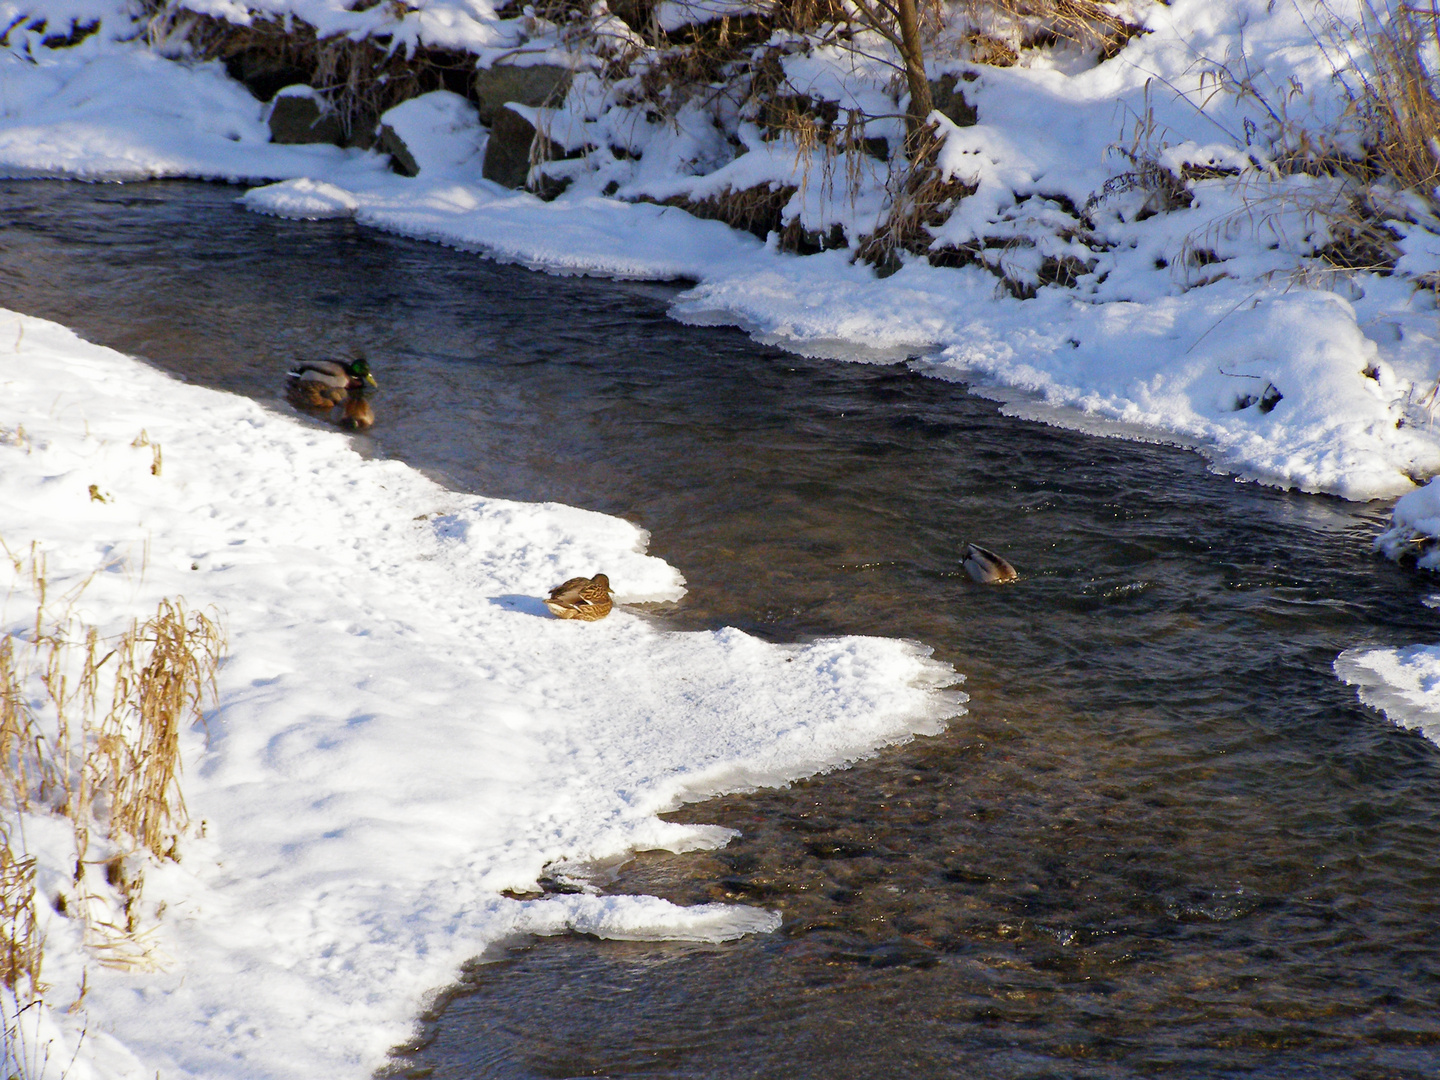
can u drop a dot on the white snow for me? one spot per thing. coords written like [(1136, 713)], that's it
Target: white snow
[(1154, 341), (402, 733), (1415, 528), (1404, 683)]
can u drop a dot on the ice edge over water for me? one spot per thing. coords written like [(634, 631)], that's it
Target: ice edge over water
[(402, 733), (1402, 683), (1153, 352)]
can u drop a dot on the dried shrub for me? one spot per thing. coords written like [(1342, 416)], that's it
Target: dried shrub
[(1394, 106), (1398, 101), (108, 766), (921, 199), (1359, 238), (757, 210), (20, 945), (1165, 191), (1085, 23), (360, 78)]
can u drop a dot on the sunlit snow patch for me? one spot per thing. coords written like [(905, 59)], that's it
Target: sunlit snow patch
[(302, 200), (1414, 531), (404, 735), (1404, 684)]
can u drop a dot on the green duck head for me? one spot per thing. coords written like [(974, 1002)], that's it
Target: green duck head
[(359, 368)]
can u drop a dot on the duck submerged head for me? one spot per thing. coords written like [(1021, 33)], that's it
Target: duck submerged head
[(986, 567)]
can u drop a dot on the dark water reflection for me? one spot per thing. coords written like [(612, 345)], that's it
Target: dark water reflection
[(1165, 840)]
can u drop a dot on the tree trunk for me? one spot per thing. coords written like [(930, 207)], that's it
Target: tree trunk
[(914, 57)]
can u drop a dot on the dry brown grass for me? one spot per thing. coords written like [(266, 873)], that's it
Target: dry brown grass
[(360, 79), (20, 945), (157, 459), (1387, 142), (1384, 65), (756, 210), (166, 673), (90, 731), (1397, 100), (734, 58), (1086, 23), (921, 198)]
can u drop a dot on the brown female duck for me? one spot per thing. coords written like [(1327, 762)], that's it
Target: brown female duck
[(585, 598)]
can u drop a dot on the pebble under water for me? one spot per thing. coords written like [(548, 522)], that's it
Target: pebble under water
[(1164, 840)]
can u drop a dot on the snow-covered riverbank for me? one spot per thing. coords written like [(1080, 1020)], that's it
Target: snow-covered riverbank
[(402, 735), (403, 732), (1211, 322)]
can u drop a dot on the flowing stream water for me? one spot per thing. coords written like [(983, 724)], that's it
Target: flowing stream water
[(1165, 839)]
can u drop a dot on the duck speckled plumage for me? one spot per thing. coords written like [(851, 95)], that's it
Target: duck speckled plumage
[(323, 384), (986, 567), (585, 598), (356, 415)]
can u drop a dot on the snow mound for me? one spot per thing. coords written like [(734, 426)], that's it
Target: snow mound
[(1414, 530)]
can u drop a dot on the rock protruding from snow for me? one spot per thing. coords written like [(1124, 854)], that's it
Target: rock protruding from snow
[(507, 153), (299, 114), (401, 160), (536, 85), (949, 99)]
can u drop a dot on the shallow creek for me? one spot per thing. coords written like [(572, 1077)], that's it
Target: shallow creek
[(1164, 840)]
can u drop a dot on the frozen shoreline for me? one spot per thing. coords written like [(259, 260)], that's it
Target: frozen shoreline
[(1154, 339), (359, 833), (402, 733)]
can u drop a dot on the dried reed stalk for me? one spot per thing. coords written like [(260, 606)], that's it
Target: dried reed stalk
[(360, 78), (20, 944), (922, 197), (17, 732), (1086, 23), (115, 768), (166, 671), (1399, 104)]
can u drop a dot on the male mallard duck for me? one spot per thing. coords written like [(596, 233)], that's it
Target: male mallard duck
[(323, 384), (357, 415), (986, 567), (586, 598)]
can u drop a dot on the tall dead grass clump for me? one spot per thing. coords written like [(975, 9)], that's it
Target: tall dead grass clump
[(1386, 142), (922, 196), (20, 945), (1399, 99), (1388, 67), (360, 77), (90, 732), (165, 673), (1085, 23)]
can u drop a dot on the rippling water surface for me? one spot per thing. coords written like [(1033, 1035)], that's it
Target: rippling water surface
[(1164, 841)]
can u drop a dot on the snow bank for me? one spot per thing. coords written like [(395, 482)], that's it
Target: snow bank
[(1211, 325), (403, 732), (1404, 683), (1414, 530)]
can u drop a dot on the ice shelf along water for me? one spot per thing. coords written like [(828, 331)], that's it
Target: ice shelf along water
[(403, 733)]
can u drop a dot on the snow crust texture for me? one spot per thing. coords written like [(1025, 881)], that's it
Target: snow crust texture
[(1404, 684), (403, 732)]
